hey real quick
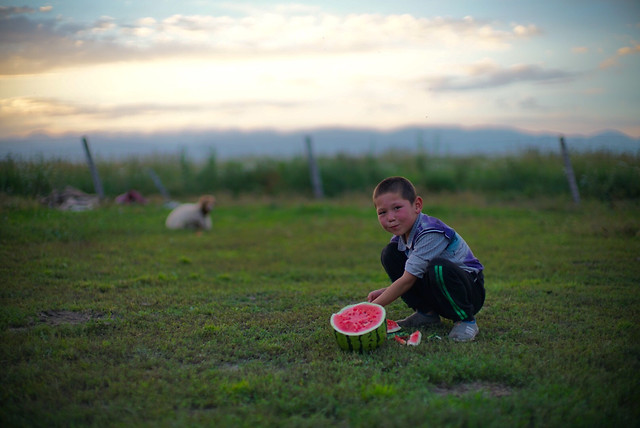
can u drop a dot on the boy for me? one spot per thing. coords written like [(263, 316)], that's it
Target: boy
[(431, 267)]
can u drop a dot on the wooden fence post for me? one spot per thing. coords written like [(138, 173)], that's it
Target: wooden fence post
[(158, 183), (316, 182), (97, 184), (568, 169)]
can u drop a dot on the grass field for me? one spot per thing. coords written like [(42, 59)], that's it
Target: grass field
[(108, 319)]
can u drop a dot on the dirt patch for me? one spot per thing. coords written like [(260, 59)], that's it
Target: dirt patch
[(491, 389), (67, 317)]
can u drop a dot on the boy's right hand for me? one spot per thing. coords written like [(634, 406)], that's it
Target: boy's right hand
[(374, 294)]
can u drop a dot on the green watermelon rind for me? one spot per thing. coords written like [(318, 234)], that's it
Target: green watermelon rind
[(366, 340)]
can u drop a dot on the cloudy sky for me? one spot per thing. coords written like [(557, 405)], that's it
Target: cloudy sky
[(570, 66)]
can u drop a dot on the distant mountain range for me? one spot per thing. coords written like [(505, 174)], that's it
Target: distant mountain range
[(446, 141)]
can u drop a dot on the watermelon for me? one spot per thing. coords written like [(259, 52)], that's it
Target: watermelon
[(399, 339), (392, 326), (360, 327), (414, 339)]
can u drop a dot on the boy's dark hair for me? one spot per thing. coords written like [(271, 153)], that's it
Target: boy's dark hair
[(399, 185)]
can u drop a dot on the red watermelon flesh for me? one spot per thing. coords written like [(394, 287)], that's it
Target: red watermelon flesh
[(358, 319), (392, 326), (399, 340), (414, 339)]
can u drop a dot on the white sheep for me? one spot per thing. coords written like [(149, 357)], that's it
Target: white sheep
[(192, 216)]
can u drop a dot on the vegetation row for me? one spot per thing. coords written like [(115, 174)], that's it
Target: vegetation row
[(600, 175)]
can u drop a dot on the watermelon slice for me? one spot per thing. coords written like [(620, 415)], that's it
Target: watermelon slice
[(399, 339), (360, 327), (414, 339), (392, 326)]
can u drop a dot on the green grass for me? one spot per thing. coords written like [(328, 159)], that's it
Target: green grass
[(231, 328), (600, 175)]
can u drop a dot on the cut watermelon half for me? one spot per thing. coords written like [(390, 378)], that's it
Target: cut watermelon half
[(360, 327)]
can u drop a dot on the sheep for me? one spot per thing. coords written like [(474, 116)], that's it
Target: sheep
[(192, 216)]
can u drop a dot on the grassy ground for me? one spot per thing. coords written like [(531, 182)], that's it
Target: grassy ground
[(108, 319)]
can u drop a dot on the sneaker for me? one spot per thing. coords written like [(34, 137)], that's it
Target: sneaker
[(418, 319), (463, 331)]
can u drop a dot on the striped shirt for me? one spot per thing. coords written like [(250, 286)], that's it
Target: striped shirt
[(431, 238)]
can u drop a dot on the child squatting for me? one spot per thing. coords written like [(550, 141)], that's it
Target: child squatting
[(431, 267)]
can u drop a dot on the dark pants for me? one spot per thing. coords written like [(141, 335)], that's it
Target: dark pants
[(445, 288)]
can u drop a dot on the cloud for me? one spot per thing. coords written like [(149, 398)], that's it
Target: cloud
[(593, 91), (23, 115), (54, 107), (31, 44), (530, 103), (525, 30), (621, 52), (6, 11), (580, 49), (487, 74), (35, 106)]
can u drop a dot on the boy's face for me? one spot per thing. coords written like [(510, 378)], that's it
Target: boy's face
[(397, 215)]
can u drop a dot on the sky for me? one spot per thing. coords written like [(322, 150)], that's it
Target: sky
[(78, 66)]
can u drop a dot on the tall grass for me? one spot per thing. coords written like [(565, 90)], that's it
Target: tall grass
[(601, 176)]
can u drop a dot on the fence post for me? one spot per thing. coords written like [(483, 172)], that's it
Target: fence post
[(97, 184), (158, 183), (316, 182), (568, 169)]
